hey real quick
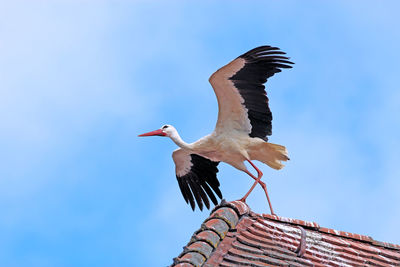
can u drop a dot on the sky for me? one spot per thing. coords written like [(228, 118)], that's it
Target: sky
[(79, 80)]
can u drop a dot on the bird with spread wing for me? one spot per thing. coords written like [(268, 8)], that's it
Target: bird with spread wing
[(244, 122)]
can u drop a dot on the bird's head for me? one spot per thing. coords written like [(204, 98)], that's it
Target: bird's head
[(166, 130)]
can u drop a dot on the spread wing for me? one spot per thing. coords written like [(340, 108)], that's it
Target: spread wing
[(196, 176), (242, 100)]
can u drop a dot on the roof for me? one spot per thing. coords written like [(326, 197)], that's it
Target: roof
[(234, 235)]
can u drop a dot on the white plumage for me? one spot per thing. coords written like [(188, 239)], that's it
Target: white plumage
[(244, 122)]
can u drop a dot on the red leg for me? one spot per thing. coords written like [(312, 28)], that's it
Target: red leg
[(252, 187), (266, 193), (257, 181)]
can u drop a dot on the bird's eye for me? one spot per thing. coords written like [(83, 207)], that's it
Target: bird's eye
[(165, 127)]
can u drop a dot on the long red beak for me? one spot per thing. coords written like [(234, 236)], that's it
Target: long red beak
[(158, 132)]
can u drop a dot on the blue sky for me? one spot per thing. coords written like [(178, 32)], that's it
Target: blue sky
[(80, 79)]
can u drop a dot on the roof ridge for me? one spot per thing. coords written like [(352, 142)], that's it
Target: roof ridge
[(223, 218), (316, 226), (223, 225)]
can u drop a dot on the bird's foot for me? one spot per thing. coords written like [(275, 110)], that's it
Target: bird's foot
[(243, 199), (264, 186)]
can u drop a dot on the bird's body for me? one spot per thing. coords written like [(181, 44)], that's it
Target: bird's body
[(231, 148), (244, 122), (235, 148)]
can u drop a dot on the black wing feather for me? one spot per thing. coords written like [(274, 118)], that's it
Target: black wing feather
[(197, 183), (183, 190), (209, 192), (260, 64)]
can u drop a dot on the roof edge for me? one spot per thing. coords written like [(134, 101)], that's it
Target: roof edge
[(224, 218), (316, 226)]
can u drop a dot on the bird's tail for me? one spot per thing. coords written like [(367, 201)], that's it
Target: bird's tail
[(270, 154)]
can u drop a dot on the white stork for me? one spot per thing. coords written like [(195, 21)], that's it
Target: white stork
[(244, 122)]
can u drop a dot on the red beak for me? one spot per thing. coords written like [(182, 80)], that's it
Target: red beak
[(158, 132)]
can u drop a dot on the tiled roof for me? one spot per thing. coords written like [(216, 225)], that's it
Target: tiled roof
[(233, 235)]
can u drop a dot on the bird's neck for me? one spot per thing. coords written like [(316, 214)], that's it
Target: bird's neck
[(178, 140)]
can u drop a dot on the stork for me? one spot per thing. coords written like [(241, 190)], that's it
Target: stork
[(244, 122)]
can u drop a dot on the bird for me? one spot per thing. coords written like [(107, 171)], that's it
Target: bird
[(241, 132)]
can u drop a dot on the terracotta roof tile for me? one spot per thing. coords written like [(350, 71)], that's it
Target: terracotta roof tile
[(218, 226), (184, 264), (233, 235), (200, 247), (227, 215)]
